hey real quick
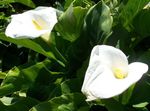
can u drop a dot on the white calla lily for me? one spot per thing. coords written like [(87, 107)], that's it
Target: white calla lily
[(32, 23), (109, 73)]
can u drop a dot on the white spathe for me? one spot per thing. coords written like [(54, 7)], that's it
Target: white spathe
[(109, 73), (32, 23)]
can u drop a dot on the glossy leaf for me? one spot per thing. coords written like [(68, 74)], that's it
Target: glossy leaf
[(98, 23), (70, 23)]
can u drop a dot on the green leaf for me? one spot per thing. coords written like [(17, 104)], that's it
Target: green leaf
[(120, 38), (42, 79), (141, 91), (68, 102), (6, 100), (98, 23), (11, 83), (145, 109), (2, 106), (70, 23), (37, 45), (79, 2), (140, 105), (113, 105), (141, 23), (30, 76), (145, 56), (72, 85), (25, 2), (130, 10), (125, 96), (17, 103), (2, 75)]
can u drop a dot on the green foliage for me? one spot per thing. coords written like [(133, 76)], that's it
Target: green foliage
[(69, 102), (71, 22), (100, 19), (113, 105), (38, 75), (130, 10), (34, 45), (17, 103), (139, 23), (25, 2)]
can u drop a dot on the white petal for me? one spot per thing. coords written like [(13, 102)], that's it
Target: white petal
[(91, 74), (136, 71), (99, 71), (47, 14), (103, 55), (105, 85), (100, 82), (22, 25), (110, 56)]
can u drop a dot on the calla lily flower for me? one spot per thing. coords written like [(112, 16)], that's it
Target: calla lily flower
[(109, 73), (32, 23)]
